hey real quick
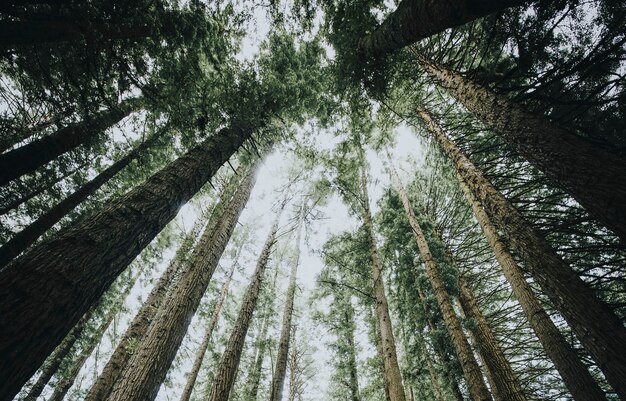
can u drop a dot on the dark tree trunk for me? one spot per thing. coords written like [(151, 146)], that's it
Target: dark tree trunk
[(27, 237), (28, 158), (46, 291), (597, 328), (145, 371), (594, 176)]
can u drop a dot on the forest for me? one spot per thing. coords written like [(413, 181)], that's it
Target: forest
[(338, 200)]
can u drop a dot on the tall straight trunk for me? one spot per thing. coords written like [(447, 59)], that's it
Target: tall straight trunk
[(415, 20), (276, 391), (29, 157), (27, 237), (392, 375), (206, 339), (293, 374), (575, 375), (432, 372), (595, 325), (353, 380), (473, 376), (254, 376), (591, 174), (140, 324), (146, 369), (47, 290), (54, 361), (229, 363), (505, 380)]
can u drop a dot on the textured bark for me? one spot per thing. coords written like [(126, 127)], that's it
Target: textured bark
[(276, 390), (229, 363), (101, 389), (27, 237), (415, 20), (393, 378), (505, 380), (575, 375), (595, 325), (46, 291), (195, 369), (29, 157), (592, 175), (146, 369)]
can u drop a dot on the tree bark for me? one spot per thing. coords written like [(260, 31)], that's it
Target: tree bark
[(27, 237), (46, 291), (575, 375), (146, 369), (254, 377), (229, 363), (415, 20), (276, 391), (594, 176), (434, 379), (351, 357), (29, 157), (392, 375), (473, 376), (595, 325)]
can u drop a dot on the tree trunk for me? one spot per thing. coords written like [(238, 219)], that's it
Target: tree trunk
[(27, 237), (28, 158), (415, 20), (254, 378), (47, 290), (392, 374), (229, 363), (592, 175), (574, 374), (473, 376), (146, 369), (431, 368), (595, 325), (292, 371), (276, 391), (351, 357), (193, 375)]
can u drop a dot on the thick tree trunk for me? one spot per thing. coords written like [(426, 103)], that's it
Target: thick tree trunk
[(195, 369), (595, 325), (575, 375), (229, 363), (392, 375), (27, 237), (276, 390), (28, 158), (146, 369), (594, 176), (415, 20), (46, 291), (101, 389)]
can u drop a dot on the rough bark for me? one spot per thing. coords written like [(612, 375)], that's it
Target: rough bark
[(591, 174), (146, 369), (415, 20), (195, 369), (276, 391), (595, 325), (575, 375), (229, 363), (46, 291), (27, 237), (29, 157), (393, 378)]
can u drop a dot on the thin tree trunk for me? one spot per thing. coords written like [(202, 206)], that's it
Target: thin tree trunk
[(193, 375), (254, 378), (389, 354), (28, 158), (592, 175), (415, 20), (276, 391), (229, 363), (575, 375), (431, 368), (595, 325), (146, 369), (292, 371), (27, 237), (473, 376), (47, 290), (351, 360)]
